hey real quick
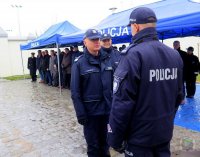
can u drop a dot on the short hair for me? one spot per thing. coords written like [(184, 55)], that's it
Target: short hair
[(176, 42)]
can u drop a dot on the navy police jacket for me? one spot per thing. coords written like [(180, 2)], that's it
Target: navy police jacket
[(147, 91), (114, 56), (91, 84)]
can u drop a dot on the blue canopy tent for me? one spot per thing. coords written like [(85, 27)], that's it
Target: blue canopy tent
[(51, 35), (176, 18)]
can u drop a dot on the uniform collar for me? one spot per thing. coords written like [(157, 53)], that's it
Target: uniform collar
[(92, 59), (108, 50), (146, 34), (95, 59)]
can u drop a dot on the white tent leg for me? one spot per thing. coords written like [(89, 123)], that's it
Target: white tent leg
[(22, 64), (59, 76)]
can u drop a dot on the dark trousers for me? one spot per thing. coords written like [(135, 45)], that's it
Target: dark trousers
[(162, 150), (68, 80), (48, 77), (41, 75), (33, 75), (64, 78), (191, 86), (95, 132)]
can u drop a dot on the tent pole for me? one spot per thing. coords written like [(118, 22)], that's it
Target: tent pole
[(22, 63), (58, 59)]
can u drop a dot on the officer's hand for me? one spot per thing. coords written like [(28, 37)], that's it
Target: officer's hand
[(83, 121), (120, 150)]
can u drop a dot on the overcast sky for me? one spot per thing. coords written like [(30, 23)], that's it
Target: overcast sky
[(37, 15)]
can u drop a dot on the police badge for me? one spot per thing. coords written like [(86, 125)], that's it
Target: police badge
[(116, 84)]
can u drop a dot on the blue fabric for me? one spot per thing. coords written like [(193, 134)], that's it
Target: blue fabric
[(51, 35), (188, 114), (174, 20)]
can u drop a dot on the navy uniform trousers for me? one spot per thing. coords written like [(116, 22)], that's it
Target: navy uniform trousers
[(162, 150), (95, 132)]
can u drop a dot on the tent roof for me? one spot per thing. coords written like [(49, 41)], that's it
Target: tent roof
[(51, 35), (176, 18)]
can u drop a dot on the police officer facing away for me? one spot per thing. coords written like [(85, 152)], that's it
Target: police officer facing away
[(32, 66), (147, 92), (91, 89), (192, 70), (106, 45)]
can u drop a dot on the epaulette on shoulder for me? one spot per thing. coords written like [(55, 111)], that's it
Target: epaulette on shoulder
[(75, 60), (125, 51)]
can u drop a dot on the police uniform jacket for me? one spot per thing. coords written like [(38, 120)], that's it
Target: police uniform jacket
[(147, 91), (114, 56), (32, 64), (91, 85)]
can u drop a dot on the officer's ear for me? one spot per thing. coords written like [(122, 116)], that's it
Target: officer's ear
[(135, 28), (85, 42)]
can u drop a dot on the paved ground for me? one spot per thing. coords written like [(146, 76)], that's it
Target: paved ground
[(35, 121)]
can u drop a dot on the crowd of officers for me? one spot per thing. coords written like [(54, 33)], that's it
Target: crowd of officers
[(125, 100), (47, 64)]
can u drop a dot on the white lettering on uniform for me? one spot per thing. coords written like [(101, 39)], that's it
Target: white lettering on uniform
[(162, 74), (152, 74), (167, 71)]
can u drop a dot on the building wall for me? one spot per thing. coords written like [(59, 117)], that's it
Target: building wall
[(10, 55), (16, 56), (4, 57)]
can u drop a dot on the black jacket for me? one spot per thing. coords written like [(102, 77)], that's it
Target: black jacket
[(193, 66)]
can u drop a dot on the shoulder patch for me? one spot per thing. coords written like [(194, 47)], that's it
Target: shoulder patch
[(125, 51), (116, 83), (77, 58)]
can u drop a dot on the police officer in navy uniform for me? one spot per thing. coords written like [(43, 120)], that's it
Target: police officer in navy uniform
[(32, 66), (147, 92), (193, 68), (91, 89), (106, 45)]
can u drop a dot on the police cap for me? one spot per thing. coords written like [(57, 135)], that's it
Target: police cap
[(142, 15), (92, 34), (105, 36)]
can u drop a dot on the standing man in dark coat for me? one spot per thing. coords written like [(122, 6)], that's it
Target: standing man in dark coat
[(91, 88), (32, 66), (147, 92), (183, 55), (66, 68), (191, 72)]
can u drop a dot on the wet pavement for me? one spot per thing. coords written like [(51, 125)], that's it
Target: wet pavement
[(36, 121)]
